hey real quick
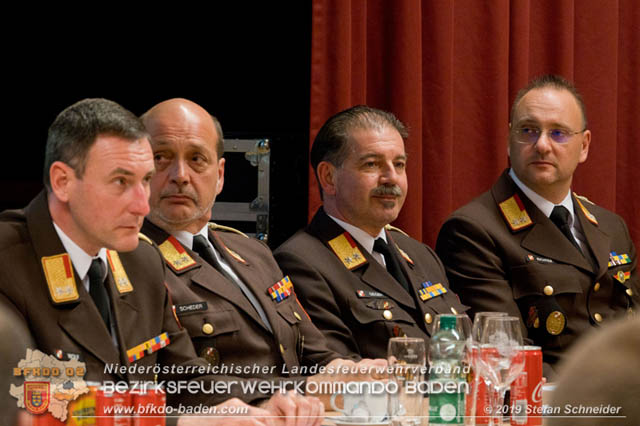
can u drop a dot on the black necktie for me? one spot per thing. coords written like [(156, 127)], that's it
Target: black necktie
[(560, 217), (204, 250), (391, 260), (98, 291)]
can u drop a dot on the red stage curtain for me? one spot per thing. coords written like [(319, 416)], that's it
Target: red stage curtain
[(450, 69)]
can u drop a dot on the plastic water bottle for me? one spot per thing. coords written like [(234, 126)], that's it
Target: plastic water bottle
[(447, 397)]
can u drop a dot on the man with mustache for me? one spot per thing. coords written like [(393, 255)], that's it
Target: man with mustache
[(228, 291), (532, 248), (361, 280)]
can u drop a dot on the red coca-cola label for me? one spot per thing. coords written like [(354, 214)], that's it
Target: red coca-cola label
[(526, 390)]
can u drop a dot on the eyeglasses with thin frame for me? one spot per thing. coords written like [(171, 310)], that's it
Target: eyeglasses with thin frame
[(530, 135)]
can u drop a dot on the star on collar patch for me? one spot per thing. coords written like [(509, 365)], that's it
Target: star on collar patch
[(175, 255), (515, 214), (347, 251)]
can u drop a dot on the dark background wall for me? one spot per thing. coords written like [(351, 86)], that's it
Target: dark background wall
[(246, 62)]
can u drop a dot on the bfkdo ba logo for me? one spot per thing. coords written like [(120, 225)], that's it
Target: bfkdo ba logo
[(36, 396)]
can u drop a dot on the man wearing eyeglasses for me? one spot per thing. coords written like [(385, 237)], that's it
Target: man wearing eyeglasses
[(532, 248)]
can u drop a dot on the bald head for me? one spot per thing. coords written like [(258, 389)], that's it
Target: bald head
[(187, 151), (183, 116)]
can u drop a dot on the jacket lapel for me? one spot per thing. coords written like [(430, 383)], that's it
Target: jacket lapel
[(415, 278), (597, 240), (125, 312), (246, 273), (94, 338)]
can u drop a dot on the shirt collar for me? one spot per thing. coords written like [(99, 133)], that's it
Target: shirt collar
[(359, 235), (542, 203), (79, 258), (186, 237)]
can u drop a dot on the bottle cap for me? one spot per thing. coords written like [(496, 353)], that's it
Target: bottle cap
[(447, 322)]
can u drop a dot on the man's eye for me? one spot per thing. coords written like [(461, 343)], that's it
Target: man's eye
[(558, 133), (198, 159), (529, 131)]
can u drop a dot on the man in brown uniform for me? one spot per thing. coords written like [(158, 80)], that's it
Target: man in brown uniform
[(532, 248), (72, 268), (361, 280), (229, 293)]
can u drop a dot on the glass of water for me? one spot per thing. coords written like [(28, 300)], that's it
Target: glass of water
[(407, 357)]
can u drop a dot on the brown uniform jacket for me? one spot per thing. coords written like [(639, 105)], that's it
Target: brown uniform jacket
[(533, 271), (360, 308), (224, 327), (74, 328)]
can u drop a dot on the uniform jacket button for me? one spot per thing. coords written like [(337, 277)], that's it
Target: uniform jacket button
[(548, 290), (207, 328)]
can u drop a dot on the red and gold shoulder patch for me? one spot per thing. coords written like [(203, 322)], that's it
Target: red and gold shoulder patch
[(514, 213), (119, 275), (59, 274), (347, 251), (175, 255)]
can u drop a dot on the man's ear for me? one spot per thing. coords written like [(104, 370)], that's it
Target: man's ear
[(220, 184), (584, 146), (327, 177), (61, 177)]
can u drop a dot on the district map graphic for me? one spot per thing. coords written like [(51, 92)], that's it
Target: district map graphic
[(49, 384)]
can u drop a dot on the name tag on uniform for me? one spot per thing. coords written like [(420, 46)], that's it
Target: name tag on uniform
[(533, 258), (191, 307), (367, 293)]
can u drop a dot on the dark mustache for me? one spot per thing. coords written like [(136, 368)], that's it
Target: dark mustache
[(387, 190)]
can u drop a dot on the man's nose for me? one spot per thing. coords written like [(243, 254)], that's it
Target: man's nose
[(140, 200), (544, 142), (178, 172)]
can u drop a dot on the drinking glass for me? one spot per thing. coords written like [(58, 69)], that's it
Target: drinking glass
[(479, 321), (500, 360), (406, 357)]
